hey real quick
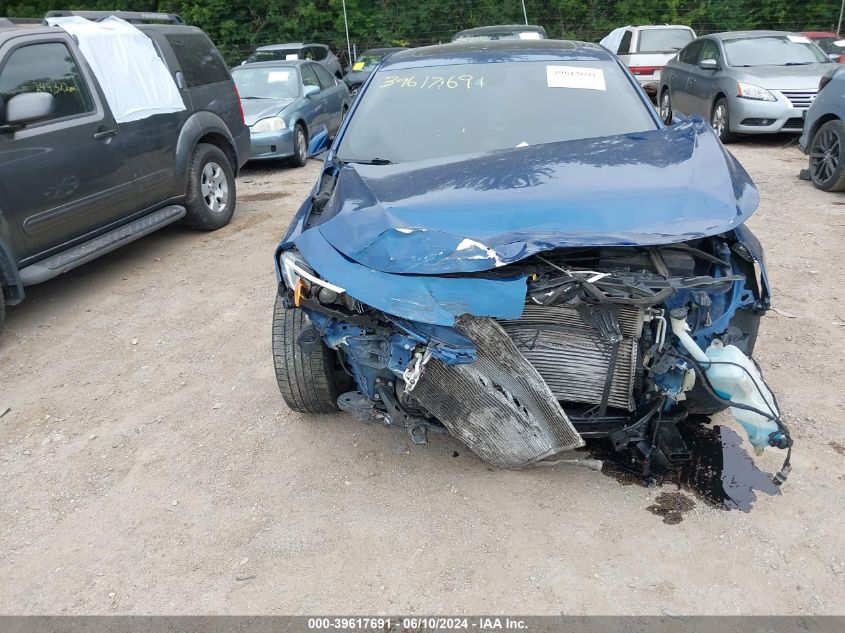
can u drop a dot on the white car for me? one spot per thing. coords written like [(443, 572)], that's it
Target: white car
[(646, 49)]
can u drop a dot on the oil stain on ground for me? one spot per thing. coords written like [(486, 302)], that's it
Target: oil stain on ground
[(671, 506), (720, 471)]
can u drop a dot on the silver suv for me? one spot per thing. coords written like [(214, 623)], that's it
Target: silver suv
[(319, 53)]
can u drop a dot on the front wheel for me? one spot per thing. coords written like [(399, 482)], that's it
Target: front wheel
[(827, 167), (720, 119), (308, 382), (300, 147), (666, 107), (210, 202)]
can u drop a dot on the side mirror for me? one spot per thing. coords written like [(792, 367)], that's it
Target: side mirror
[(27, 108), (310, 91), (708, 64), (319, 142)]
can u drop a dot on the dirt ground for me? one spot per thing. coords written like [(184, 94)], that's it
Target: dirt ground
[(149, 465)]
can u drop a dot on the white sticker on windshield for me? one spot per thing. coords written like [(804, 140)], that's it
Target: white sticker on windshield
[(529, 35), (292, 56), (575, 77), (798, 39), (277, 75), (839, 43)]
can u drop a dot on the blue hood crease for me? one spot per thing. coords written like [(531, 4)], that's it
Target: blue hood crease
[(478, 212)]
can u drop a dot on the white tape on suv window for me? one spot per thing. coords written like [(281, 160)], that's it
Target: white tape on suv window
[(575, 77), (798, 39)]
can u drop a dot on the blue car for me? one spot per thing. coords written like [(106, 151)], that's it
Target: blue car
[(506, 244), (286, 104), (823, 139)]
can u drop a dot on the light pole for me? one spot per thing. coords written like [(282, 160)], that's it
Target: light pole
[(346, 27), (839, 25), (525, 13)]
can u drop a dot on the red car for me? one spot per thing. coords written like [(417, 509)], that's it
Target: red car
[(831, 43)]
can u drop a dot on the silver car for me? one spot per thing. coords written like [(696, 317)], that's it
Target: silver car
[(319, 53), (286, 103), (744, 82)]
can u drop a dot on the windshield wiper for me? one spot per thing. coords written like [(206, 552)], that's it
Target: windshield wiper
[(797, 63), (253, 97)]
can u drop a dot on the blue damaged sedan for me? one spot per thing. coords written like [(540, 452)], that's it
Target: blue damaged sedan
[(286, 103), (506, 244)]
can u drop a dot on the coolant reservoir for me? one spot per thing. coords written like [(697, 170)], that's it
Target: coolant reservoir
[(739, 382), (734, 377)]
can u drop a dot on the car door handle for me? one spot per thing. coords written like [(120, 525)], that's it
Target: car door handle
[(101, 135)]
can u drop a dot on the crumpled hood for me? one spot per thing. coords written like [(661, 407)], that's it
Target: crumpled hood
[(478, 212), (257, 109)]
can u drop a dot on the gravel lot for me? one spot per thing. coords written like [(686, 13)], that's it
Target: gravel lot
[(150, 466)]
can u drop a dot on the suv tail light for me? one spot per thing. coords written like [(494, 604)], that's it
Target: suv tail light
[(645, 70), (240, 105)]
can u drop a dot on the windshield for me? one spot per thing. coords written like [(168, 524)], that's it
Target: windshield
[(368, 61), (831, 45), (274, 55), (266, 83), (434, 112), (777, 50), (663, 40)]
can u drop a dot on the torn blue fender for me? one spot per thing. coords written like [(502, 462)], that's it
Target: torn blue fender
[(474, 213), (434, 300)]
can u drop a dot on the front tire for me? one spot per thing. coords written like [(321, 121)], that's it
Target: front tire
[(666, 107), (308, 382), (827, 159), (300, 146), (720, 119), (211, 197)]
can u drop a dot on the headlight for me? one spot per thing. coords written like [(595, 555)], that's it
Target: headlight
[(273, 124), (750, 91), (295, 270)]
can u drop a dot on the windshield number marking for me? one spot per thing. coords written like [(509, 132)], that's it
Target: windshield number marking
[(434, 81)]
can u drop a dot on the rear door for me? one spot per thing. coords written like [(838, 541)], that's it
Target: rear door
[(66, 176), (332, 97)]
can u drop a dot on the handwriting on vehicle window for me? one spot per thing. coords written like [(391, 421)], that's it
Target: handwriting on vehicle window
[(434, 82)]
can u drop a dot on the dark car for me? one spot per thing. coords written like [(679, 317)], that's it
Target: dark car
[(286, 104), (319, 53), (823, 139), (830, 43), (507, 244), (75, 183), (365, 64), (501, 32)]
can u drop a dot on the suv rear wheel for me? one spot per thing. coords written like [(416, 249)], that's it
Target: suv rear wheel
[(827, 157), (211, 189), (308, 382)]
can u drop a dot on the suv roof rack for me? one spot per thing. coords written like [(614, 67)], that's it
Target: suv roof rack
[(6, 23), (133, 17)]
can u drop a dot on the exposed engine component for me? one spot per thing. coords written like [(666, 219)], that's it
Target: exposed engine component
[(586, 355), (498, 405)]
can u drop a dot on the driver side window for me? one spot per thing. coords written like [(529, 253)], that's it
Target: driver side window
[(308, 76), (710, 50), (689, 55), (50, 68)]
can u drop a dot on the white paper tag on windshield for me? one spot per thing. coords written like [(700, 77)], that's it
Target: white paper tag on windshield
[(529, 35), (277, 75), (290, 56), (575, 77), (798, 39), (839, 43)]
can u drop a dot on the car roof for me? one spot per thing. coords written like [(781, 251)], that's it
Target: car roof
[(275, 47), (497, 28), (16, 25), (386, 49), (491, 51), (819, 34), (738, 35), (662, 26)]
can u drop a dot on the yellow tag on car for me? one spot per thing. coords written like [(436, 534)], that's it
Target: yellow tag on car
[(358, 66)]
